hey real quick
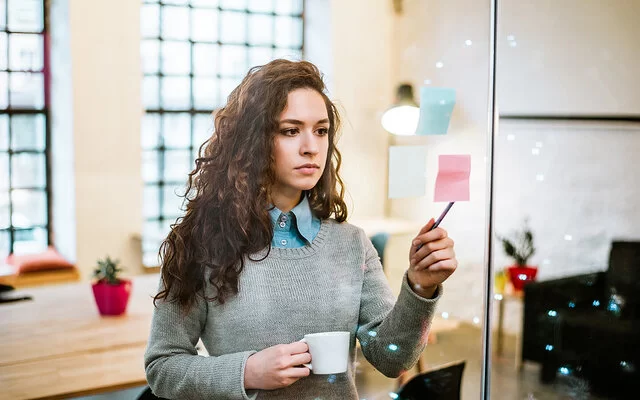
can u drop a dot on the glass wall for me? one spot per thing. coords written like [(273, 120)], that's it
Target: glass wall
[(566, 147)]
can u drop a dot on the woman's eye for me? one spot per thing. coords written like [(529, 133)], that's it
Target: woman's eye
[(289, 132), (323, 131)]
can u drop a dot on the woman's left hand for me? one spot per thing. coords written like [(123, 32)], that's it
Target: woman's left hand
[(433, 263)]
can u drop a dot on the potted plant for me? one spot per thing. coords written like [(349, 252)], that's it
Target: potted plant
[(110, 291), (520, 248)]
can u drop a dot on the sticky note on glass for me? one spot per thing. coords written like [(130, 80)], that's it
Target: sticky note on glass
[(436, 106), (452, 182), (407, 171)]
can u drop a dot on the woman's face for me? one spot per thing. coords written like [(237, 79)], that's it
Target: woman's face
[(301, 143)]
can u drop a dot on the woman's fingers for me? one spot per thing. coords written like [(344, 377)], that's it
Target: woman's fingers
[(297, 372), (414, 243), (434, 257), (299, 359), (430, 247)]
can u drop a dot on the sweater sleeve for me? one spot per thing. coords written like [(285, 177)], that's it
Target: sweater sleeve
[(173, 367), (392, 334)]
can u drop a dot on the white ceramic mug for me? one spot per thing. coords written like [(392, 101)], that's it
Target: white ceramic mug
[(329, 352)]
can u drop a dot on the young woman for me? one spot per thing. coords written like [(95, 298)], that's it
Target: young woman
[(263, 256)]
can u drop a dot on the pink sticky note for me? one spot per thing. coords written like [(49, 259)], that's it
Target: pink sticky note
[(452, 183)]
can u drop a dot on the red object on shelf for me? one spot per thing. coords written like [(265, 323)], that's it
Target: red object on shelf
[(112, 299), (520, 275)]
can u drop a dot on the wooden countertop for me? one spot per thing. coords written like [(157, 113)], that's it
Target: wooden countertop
[(58, 345)]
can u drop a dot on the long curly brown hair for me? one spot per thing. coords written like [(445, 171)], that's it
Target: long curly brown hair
[(228, 193)]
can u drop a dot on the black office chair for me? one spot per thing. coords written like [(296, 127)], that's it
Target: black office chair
[(440, 384)]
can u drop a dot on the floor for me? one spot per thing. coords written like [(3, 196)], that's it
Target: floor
[(463, 343)]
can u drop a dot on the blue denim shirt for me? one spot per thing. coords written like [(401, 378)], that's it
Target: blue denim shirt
[(296, 228)]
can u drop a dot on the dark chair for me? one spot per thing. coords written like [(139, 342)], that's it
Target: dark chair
[(379, 241), (589, 324), (147, 394), (440, 384)]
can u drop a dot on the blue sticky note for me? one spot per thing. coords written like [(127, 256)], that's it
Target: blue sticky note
[(436, 106)]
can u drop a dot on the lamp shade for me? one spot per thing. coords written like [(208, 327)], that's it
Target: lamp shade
[(402, 117), (436, 106), (401, 120)]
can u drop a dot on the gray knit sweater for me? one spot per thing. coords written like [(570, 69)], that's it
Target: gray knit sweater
[(334, 284)]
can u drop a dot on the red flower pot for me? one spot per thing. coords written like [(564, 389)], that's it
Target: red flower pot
[(112, 299), (520, 275)]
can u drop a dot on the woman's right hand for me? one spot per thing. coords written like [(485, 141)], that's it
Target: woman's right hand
[(277, 366)]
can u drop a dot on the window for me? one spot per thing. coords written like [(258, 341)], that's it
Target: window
[(194, 52), (24, 131)]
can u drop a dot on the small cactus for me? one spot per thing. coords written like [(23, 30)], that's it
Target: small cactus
[(107, 271)]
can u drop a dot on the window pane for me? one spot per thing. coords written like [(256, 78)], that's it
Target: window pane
[(176, 57), (205, 93), (172, 206), (202, 129), (233, 61), (176, 130), (29, 208), (4, 83), (226, 86), (4, 244), (289, 6), (4, 133), (204, 59), (3, 14), (150, 21), (4, 209), (150, 166), (25, 16), (176, 93), (177, 165), (260, 55), (28, 132), (233, 27), (26, 52), (3, 50), (151, 92), (204, 3), (289, 54), (233, 4), (175, 23), (4, 171), (28, 170), (150, 54), (30, 241), (26, 90), (261, 5), (150, 131), (176, 2), (288, 32), (152, 236), (204, 24), (260, 29), (151, 200)]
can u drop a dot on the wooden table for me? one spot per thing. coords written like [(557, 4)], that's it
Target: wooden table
[(58, 346)]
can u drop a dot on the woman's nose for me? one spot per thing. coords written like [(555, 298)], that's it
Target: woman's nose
[(309, 143)]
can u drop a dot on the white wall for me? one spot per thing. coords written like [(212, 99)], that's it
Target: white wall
[(361, 48), (569, 56), (105, 62)]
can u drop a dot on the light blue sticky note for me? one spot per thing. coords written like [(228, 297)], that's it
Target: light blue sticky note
[(407, 171), (436, 106)]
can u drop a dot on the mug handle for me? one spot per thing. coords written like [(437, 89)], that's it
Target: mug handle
[(303, 340)]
